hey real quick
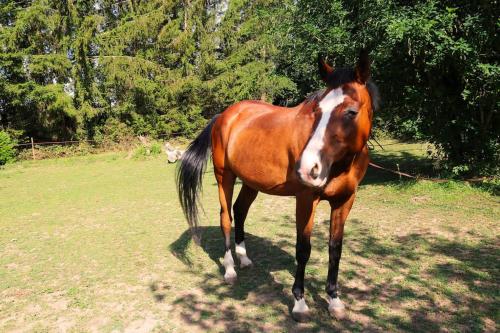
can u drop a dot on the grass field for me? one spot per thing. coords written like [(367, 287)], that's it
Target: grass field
[(99, 243)]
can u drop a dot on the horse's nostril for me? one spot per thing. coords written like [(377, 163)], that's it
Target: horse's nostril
[(314, 171)]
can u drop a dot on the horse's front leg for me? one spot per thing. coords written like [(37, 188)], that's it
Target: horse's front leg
[(305, 207), (339, 213)]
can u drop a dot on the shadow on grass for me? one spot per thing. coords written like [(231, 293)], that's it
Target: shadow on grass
[(412, 283), (418, 166), (434, 282), (207, 313), (402, 161)]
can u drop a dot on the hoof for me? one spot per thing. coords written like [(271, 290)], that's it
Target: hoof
[(301, 311), (301, 317), (230, 277), (338, 314), (241, 253), (336, 308), (250, 265), (245, 262), (230, 274)]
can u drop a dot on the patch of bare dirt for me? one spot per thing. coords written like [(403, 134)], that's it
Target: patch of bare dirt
[(96, 324), (144, 325), (56, 301), (489, 325), (420, 199), (64, 324)]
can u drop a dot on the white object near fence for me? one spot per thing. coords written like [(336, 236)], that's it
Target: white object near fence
[(173, 154)]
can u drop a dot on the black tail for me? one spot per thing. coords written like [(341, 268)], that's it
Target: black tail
[(190, 174)]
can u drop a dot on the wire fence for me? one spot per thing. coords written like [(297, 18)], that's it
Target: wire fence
[(100, 145), (35, 145), (43, 143)]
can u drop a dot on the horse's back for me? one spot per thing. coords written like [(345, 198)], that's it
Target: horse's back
[(249, 114), (249, 109)]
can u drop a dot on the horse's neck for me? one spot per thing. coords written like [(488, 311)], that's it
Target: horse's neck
[(303, 125)]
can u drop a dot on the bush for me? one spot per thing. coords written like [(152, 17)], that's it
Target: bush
[(7, 150), (56, 151), (435, 63), (145, 150), (112, 132)]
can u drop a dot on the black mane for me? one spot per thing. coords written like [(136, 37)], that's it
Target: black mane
[(374, 94), (340, 76)]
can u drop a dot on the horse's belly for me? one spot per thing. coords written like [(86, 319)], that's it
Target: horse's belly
[(262, 163), (259, 170)]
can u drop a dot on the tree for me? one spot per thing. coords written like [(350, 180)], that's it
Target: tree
[(436, 63), (73, 69), (82, 69)]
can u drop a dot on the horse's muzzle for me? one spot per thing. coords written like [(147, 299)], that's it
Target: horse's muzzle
[(311, 177)]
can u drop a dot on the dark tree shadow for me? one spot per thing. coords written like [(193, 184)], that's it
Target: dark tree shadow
[(473, 265), (401, 161), (256, 285), (433, 306), (265, 256)]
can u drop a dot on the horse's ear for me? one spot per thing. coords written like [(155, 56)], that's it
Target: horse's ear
[(324, 69), (363, 67)]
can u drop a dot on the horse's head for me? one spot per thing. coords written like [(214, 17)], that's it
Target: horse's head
[(343, 117)]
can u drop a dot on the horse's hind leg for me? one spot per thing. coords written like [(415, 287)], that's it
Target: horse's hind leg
[(241, 206), (225, 180)]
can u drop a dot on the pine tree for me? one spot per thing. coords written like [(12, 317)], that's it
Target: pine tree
[(78, 69)]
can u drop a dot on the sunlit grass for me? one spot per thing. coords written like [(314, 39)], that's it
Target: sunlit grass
[(99, 242)]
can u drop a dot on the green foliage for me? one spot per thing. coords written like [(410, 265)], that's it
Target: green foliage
[(7, 150), (57, 151), (106, 70), (155, 148), (449, 55), (436, 64), (113, 131), (91, 70), (142, 151)]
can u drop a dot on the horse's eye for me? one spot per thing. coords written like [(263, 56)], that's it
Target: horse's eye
[(351, 113)]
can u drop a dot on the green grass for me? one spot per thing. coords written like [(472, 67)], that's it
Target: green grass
[(100, 243)]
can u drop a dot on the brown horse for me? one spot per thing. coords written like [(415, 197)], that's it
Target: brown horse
[(314, 151)]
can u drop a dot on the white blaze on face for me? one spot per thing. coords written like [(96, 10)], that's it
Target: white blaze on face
[(311, 155)]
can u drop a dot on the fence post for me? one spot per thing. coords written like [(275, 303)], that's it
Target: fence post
[(33, 148)]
